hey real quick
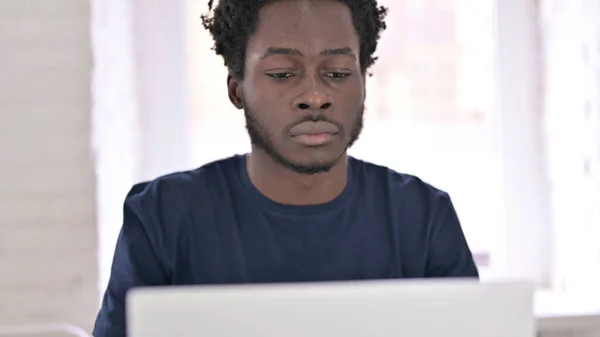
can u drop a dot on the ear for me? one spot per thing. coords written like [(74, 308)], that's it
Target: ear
[(234, 88), (364, 84)]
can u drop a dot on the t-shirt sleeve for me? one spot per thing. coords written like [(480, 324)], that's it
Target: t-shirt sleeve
[(449, 254), (135, 263)]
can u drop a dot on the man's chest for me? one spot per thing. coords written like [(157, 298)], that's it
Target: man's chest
[(259, 247)]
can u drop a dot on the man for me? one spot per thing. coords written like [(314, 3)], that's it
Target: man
[(297, 208)]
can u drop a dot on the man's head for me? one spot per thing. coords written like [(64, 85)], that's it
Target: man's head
[(297, 68)]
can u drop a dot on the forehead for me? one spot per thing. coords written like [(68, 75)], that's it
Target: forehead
[(307, 25)]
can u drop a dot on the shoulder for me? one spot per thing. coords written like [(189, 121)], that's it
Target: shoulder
[(180, 185), (402, 188), (172, 194), (425, 222)]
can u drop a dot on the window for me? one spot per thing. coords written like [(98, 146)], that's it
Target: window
[(456, 99), (460, 97), (570, 39)]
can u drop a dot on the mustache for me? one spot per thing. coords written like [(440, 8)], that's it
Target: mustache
[(315, 117)]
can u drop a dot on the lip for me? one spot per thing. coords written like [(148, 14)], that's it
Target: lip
[(313, 128), (314, 133), (313, 140)]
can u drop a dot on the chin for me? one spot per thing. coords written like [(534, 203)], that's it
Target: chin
[(316, 155), (306, 160), (321, 162)]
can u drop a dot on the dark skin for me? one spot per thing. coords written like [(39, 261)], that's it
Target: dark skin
[(301, 65)]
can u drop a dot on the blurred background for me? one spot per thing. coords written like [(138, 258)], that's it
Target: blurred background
[(495, 101)]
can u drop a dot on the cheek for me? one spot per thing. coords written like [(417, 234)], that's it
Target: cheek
[(353, 104), (260, 97), (266, 117), (267, 106)]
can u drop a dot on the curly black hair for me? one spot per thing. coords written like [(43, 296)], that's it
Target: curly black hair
[(234, 21)]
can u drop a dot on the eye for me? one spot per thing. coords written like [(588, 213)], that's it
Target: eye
[(281, 75), (336, 76)]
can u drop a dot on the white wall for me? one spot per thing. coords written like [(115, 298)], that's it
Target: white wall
[(140, 115), (48, 241), (116, 131)]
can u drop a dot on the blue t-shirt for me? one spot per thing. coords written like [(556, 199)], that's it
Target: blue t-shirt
[(212, 226)]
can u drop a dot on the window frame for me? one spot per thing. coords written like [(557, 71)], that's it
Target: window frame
[(525, 247)]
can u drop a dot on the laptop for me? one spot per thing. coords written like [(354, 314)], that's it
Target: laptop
[(431, 308)]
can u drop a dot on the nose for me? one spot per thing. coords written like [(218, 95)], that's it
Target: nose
[(313, 99)]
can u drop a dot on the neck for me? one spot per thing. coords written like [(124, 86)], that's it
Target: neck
[(284, 186)]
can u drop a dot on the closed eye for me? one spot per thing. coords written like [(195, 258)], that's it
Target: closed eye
[(336, 76), (281, 75)]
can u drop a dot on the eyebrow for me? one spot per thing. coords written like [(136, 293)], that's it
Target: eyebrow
[(346, 51)]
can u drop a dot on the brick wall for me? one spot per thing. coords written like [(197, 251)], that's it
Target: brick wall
[(48, 240)]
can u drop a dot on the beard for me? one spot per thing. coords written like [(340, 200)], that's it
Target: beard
[(261, 138)]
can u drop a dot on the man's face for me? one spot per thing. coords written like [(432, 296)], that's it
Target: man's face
[(303, 90)]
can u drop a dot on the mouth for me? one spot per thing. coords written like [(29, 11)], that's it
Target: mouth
[(314, 133), (314, 139)]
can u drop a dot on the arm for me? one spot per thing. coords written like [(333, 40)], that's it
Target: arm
[(135, 264), (449, 254)]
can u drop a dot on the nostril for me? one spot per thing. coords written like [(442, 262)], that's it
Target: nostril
[(325, 106), (303, 106)]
